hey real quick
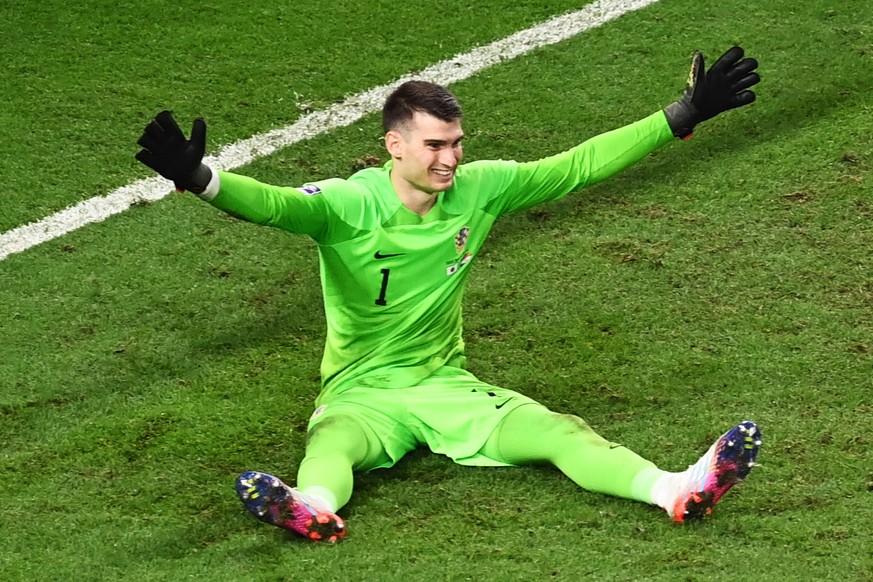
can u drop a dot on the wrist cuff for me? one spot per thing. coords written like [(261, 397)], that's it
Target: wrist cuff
[(212, 188), (679, 117)]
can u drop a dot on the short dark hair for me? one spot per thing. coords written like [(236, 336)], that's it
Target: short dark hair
[(421, 96)]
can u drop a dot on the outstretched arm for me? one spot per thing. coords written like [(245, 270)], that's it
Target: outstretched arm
[(708, 93), (167, 151)]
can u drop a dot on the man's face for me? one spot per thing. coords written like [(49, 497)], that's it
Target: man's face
[(426, 152)]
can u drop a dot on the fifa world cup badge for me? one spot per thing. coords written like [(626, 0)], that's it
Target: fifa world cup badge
[(310, 189)]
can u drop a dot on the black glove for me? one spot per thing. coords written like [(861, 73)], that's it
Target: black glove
[(166, 151), (724, 86)]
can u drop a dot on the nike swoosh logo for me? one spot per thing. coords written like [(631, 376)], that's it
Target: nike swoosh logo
[(502, 404), (379, 255)]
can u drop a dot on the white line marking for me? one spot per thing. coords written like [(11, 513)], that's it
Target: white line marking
[(342, 114)]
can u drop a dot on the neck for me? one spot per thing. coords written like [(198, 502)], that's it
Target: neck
[(415, 199)]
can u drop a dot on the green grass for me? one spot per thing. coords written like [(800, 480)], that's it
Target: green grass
[(149, 359)]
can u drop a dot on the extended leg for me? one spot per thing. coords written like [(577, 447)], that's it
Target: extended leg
[(533, 434)]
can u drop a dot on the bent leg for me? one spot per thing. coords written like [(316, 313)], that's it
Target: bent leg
[(534, 434), (336, 447)]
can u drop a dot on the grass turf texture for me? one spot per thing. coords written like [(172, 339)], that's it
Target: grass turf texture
[(150, 359)]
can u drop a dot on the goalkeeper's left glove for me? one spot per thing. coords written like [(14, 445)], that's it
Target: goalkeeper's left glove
[(170, 154), (724, 86)]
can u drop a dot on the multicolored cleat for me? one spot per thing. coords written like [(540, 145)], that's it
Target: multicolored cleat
[(726, 463), (273, 502)]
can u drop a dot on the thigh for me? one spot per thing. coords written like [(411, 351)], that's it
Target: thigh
[(455, 414), (535, 434), (367, 416), (346, 437)]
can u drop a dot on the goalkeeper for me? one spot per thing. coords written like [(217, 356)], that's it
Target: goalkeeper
[(396, 245)]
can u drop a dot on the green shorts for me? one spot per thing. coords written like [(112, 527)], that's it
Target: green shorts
[(450, 411)]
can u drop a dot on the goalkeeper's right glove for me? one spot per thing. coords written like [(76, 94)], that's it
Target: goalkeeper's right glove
[(170, 154), (724, 86)]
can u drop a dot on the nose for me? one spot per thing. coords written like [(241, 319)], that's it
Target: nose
[(450, 157)]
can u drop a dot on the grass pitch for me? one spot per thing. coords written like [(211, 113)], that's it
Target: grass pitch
[(149, 359)]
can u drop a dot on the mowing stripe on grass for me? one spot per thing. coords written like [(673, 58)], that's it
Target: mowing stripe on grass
[(342, 114)]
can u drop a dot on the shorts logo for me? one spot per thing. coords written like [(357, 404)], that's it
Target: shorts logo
[(318, 412), (310, 189)]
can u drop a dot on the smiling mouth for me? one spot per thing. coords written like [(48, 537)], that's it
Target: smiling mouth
[(443, 173)]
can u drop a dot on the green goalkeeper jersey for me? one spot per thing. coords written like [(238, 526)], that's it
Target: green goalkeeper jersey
[(393, 280)]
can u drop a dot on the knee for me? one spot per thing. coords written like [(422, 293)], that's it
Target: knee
[(571, 426), (538, 422), (340, 435)]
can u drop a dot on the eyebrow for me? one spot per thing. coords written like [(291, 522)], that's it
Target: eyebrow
[(441, 141)]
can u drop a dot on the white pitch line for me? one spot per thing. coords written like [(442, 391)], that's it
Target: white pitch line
[(339, 115)]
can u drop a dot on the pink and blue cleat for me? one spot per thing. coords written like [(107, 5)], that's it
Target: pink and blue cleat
[(273, 502), (726, 463)]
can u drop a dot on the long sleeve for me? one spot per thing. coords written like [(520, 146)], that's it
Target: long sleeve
[(588, 163)]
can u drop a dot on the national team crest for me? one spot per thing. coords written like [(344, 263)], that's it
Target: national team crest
[(461, 239)]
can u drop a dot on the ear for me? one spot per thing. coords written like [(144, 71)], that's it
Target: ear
[(394, 143)]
